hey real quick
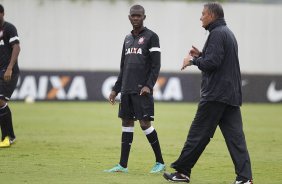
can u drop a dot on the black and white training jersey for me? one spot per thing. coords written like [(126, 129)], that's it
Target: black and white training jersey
[(8, 37), (140, 62)]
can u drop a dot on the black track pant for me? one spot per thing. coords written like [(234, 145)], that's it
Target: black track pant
[(208, 116)]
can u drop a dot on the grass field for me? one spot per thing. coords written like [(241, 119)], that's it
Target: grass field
[(72, 143)]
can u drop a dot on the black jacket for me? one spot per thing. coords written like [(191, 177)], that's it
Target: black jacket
[(219, 63), (140, 62)]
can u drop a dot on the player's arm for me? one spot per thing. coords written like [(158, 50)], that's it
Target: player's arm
[(214, 53), (117, 87), (14, 42), (155, 55)]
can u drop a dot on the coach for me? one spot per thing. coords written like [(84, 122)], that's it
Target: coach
[(220, 101)]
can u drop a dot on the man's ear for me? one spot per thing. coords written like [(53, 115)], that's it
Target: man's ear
[(144, 17), (213, 17), (129, 17)]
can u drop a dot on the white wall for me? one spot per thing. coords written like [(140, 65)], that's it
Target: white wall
[(66, 35)]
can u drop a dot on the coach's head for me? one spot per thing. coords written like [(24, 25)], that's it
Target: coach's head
[(211, 12)]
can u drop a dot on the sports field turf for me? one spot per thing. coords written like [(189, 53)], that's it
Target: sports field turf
[(72, 143)]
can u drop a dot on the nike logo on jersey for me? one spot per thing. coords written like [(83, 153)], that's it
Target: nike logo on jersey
[(133, 51), (273, 94)]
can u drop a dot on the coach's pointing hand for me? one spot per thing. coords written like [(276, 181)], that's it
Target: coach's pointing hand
[(112, 97), (194, 52)]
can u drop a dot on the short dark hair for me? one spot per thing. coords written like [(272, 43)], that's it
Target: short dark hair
[(1, 8), (215, 8), (137, 7)]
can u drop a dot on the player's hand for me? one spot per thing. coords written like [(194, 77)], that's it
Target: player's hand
[(186, 62), (112, 97), (8, 74), (194, 52), (145, 90)]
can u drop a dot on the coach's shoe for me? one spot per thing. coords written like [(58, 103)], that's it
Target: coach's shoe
[(5, 143), (117, 168), (158, 168), (244, 182), (176, 177)]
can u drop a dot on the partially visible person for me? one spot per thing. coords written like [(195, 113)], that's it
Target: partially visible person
[(220, 101), (9, 73), (139, 70)]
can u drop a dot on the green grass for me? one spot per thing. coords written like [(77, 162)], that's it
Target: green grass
[(73, 143)]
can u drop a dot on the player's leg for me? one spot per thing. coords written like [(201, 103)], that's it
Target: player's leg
[(126, 141), (8, 136), (6, 118), (127, 115), (144, 111), (232, 129), (6, 91), (153, 139), (3, 125), (201, 131)]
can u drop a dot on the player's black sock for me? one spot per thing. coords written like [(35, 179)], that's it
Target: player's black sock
[(6, 122), (9, 121), (126, 141), (3, 123), (152, 137)]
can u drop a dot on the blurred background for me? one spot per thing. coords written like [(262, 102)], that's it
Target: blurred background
[(71, 48)]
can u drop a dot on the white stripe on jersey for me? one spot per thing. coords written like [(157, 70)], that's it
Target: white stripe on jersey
[(13, 39), (155, 49)]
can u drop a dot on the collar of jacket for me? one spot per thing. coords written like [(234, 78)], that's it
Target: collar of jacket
[(216, 23)]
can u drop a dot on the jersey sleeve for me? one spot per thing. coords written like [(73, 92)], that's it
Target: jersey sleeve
[(155, 54), (155, 44), (13, 35)]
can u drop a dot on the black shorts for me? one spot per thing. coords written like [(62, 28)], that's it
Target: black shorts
[(7, 88), (136, 107)]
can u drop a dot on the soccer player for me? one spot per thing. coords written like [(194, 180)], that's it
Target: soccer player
[(220, 102), (139, 70), (9, 73)]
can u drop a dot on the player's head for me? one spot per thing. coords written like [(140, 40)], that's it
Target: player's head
[(137, 16), (211, 12), (1, 12)]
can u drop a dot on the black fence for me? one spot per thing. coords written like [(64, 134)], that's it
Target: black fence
[(170, 87)]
